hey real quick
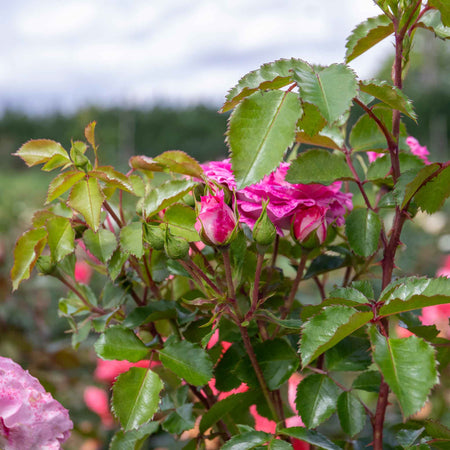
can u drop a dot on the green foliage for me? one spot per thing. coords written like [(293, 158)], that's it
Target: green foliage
[(363, 228), (352, 416), (260, 130), (134, 439)]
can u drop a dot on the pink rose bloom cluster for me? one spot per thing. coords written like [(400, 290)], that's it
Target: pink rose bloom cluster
[(30, 418), (304, 207), (416, 149)]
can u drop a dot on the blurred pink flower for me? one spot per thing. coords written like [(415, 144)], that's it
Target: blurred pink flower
[(444, 271), (418, 150), (83, 272), (374, 155), (216, 220), (96, 400), (108, 370), (30, 418)]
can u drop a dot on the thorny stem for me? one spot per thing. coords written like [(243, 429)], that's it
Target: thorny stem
[(356, 176)]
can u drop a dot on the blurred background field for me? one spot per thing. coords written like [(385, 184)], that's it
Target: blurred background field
[(31, 332)]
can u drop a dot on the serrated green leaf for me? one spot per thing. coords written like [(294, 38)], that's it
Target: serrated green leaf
[(180, 162), (380, 168), (39, 151), (316, 399), (277, 360), (273, 75), (157, 310), (350, 354), (122, 344), (406, 437), (246, 441), (101, 244), (62, 183), (362, 228), (318, 166), (323, 264), (431, 197), (444, 7), (351, 413), (165, 195), (366, 35), (26, 252), (87, 198), (349, 293), (187, 360), (260, 130), (229, 404), (112, 178), (180, 420), (181, 220), (54, 162), (390, 95), (311, 121), (329, 327), (319, 140), (135, 397), (431, 20), (408, 367), (310, 436), (61, 237), (131, 239), (331, 89), (133, 440), (368, 381), (116, 263)]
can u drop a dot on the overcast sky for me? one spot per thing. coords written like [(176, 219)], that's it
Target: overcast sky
[(63, 54)]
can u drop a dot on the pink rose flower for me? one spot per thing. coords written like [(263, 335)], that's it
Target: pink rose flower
[(108, 370), (221, 172), (418, 150), (30, 418), (96, 400), (374, 155), (83, 272), (216, 220), (309, 220)]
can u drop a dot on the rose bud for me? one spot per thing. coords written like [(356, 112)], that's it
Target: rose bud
[(308, 221), (216, 221), (264, 231), (175, 247), (154, 236)]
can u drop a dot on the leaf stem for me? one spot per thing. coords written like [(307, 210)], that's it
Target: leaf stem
[(228, 273), (255, 291)]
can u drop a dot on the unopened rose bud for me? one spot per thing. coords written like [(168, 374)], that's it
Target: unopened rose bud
[(308, 223), (45, 265), (264, 231), (175, 247), (154, 236), (216, 221)]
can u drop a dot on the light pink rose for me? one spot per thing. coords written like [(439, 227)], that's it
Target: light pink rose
[(30, 418), (417, 149), (83, 272), (374, 155), (309, 220), (216, 220)]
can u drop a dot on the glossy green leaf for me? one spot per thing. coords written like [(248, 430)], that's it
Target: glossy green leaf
[(323, 264), (381, 167), (260, 130), (112, 178), (362, 228), (311, 121), (350, 354), (390, 95), (431, 20), (368, 381), (310, 436), (26, 252), (122, 344), (367, 34), (157, 310), (101, 244), (318, 166), (165, 195), (87, 198), (131, 239), (331, 89), (278, 444), (180, 162), (40, 151), (219, 410), (273, 75), (408, 367), (316, 399), (180, 420), (181, 220), (350, 293), (116, 263), (61, 237), (135, 397), (277, 360), (134, 439), (439, 432), (327, 328), (62, 183), (444, 7), (246, 441), (406, 437), (54, 162), (319, 140), (189, 361), (351, 413), (431, 197)]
